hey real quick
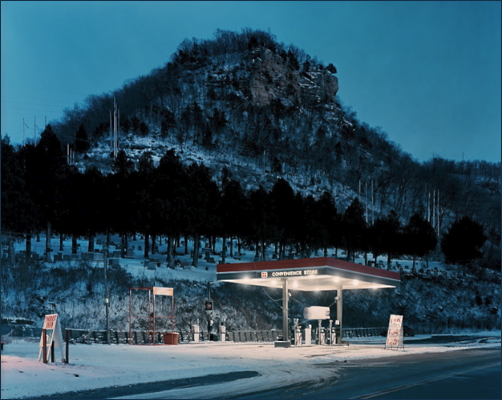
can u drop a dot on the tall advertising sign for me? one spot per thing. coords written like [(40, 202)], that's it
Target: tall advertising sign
[(395, 332)]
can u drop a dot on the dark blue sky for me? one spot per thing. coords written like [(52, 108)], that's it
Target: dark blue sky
[(426, 73)]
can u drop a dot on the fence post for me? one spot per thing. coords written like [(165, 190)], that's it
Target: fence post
[(44, 347), (67, 346), (52, 352)]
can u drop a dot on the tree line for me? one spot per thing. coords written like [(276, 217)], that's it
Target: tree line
[(41, 192)]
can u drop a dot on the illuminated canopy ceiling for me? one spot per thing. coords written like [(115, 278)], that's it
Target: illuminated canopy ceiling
[(308, 274)]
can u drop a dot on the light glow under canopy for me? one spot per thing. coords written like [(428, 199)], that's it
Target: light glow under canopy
[(309, 274)]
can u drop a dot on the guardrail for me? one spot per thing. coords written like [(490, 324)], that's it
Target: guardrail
[(87, 336), (363, 332)]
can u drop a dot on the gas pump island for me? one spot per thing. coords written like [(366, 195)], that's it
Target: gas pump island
[(308, 274)]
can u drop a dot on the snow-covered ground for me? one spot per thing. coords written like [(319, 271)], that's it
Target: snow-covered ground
[(100, 366)]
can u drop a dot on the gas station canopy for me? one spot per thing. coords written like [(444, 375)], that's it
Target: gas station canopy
[(308, 274)]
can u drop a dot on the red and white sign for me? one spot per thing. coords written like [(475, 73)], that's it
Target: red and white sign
[(264, 274), (50, 321), (395, 332), (53, 334)]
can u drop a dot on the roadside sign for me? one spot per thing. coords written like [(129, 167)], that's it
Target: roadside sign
[(54, 338), (395, 332), (163, 291)]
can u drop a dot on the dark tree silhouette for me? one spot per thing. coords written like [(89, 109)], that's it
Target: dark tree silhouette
[(329, 221), (462, 243), (122, 198), (419, 237), (19, 212), (202, 204), (232, 212), (281, 198), (46, 169), (257, 219), (82, 143), (353, 227)]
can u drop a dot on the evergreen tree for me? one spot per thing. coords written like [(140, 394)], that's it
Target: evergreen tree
[(313, 233), (420, 238), (144, 211), (82, 143), (329, 222), (257, 219), (462, 243), (281, 197), (122, 190), (202, 205), (19, 212), (386, 237), (232, 212), (45, 170), (171, 196), (353, 227)]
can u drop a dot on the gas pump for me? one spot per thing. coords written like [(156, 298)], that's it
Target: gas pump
[(332, 333), (321, 334), (297, 333), (210, 327), (223, 331)]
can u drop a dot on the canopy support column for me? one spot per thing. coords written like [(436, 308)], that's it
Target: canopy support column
[(339, 308), (285, 310)]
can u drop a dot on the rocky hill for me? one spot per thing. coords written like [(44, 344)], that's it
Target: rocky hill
[(267, 110), (245, 103)]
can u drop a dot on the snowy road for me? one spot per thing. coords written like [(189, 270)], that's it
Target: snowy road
[(466, 374), (234, 370)]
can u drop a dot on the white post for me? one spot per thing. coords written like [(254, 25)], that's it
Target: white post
[(196, 333), (308, 335)]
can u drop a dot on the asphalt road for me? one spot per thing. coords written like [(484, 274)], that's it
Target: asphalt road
[(463, 374), (460, 374)]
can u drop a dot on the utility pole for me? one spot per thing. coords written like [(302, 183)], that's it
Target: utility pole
[(372, 204), (438, 213), (107, 299), (24, 134), (111, 128), (366, 195), (429, 207), (114, 128), (35, 127), (433, 208)]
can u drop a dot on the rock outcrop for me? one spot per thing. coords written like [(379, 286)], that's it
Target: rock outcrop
[(272, 77)]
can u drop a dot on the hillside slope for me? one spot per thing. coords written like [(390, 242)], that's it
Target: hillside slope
[(267, 110), (432, 301)]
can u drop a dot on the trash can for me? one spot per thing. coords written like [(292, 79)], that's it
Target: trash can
[(171, 338)]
